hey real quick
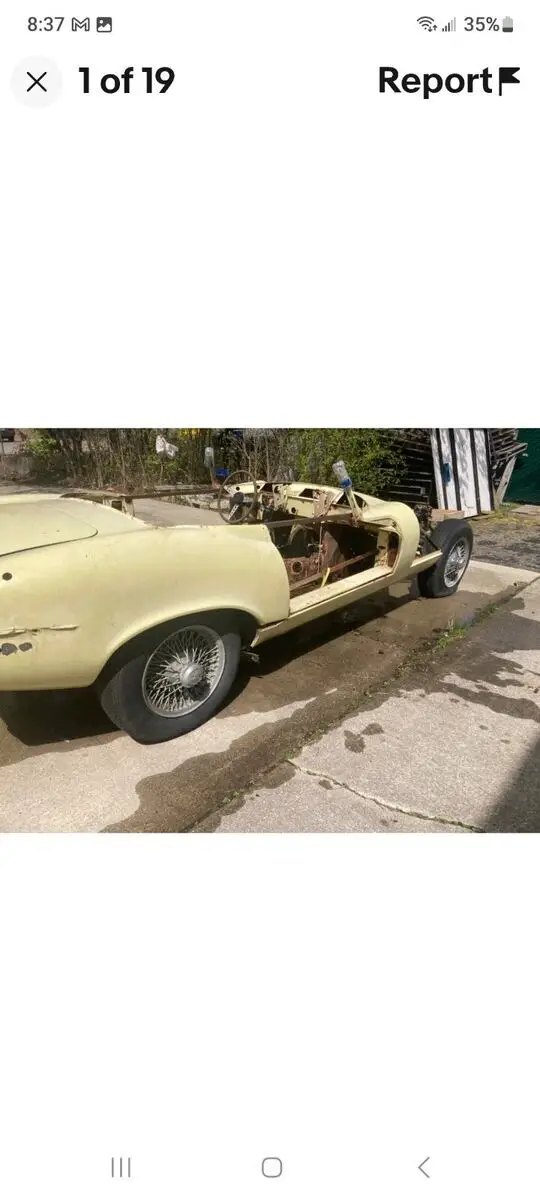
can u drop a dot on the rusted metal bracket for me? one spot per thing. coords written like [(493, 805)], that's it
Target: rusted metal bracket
[(348, 562)]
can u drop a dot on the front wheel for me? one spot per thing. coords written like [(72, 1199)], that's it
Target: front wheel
[(174, 681), (455, 539)]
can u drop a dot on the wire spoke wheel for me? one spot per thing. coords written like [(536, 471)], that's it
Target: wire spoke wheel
[(183, 671), (456, 563)]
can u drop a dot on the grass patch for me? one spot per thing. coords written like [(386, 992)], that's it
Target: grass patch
[(456, 630), (485, 613), (505, 515), (453, 632)]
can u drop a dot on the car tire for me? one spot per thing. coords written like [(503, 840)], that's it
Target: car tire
[(135, 690), (455, 539)]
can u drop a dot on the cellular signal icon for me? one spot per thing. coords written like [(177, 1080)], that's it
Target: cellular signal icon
[(450, 27), (427, 23)]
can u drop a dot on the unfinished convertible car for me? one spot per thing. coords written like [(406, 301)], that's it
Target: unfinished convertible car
[(155, 618)]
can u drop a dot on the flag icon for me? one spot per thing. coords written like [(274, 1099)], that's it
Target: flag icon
[(507, 75)]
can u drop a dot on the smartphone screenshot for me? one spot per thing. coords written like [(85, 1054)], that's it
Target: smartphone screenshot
[(302, 609)]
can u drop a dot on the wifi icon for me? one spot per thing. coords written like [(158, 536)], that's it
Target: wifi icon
[(427, 23)]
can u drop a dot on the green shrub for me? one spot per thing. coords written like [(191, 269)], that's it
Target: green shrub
[(46, 454), (372, 460), (126, 458), (41, 445)]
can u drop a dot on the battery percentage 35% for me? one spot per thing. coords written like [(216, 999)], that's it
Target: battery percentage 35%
[(481, 23)]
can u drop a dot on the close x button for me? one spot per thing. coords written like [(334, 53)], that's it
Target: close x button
[(37, 82)]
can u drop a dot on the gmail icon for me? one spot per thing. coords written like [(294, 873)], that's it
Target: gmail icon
[(84, 23)]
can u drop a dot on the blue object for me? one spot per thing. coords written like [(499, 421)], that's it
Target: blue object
[(446, 472), (221, 472)]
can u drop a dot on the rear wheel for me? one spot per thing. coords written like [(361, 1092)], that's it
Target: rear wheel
[(455, 539), (175, 679)]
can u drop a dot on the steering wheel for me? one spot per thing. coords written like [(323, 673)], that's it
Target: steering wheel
[(237, 508)]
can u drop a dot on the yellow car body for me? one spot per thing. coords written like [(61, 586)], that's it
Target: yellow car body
[(81, 581)]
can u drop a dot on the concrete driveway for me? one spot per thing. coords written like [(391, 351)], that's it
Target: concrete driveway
[(65, 768), (452, 745)]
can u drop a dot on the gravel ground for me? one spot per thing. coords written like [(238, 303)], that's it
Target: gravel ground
[(512, 541)]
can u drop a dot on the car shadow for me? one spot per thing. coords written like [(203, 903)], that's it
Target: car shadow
[(288, 647), (41, 719)]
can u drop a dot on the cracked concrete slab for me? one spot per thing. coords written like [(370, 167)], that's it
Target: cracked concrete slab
[(457, 742), (319, 805)]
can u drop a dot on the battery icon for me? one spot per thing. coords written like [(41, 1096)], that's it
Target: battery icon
[(508, 25)]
